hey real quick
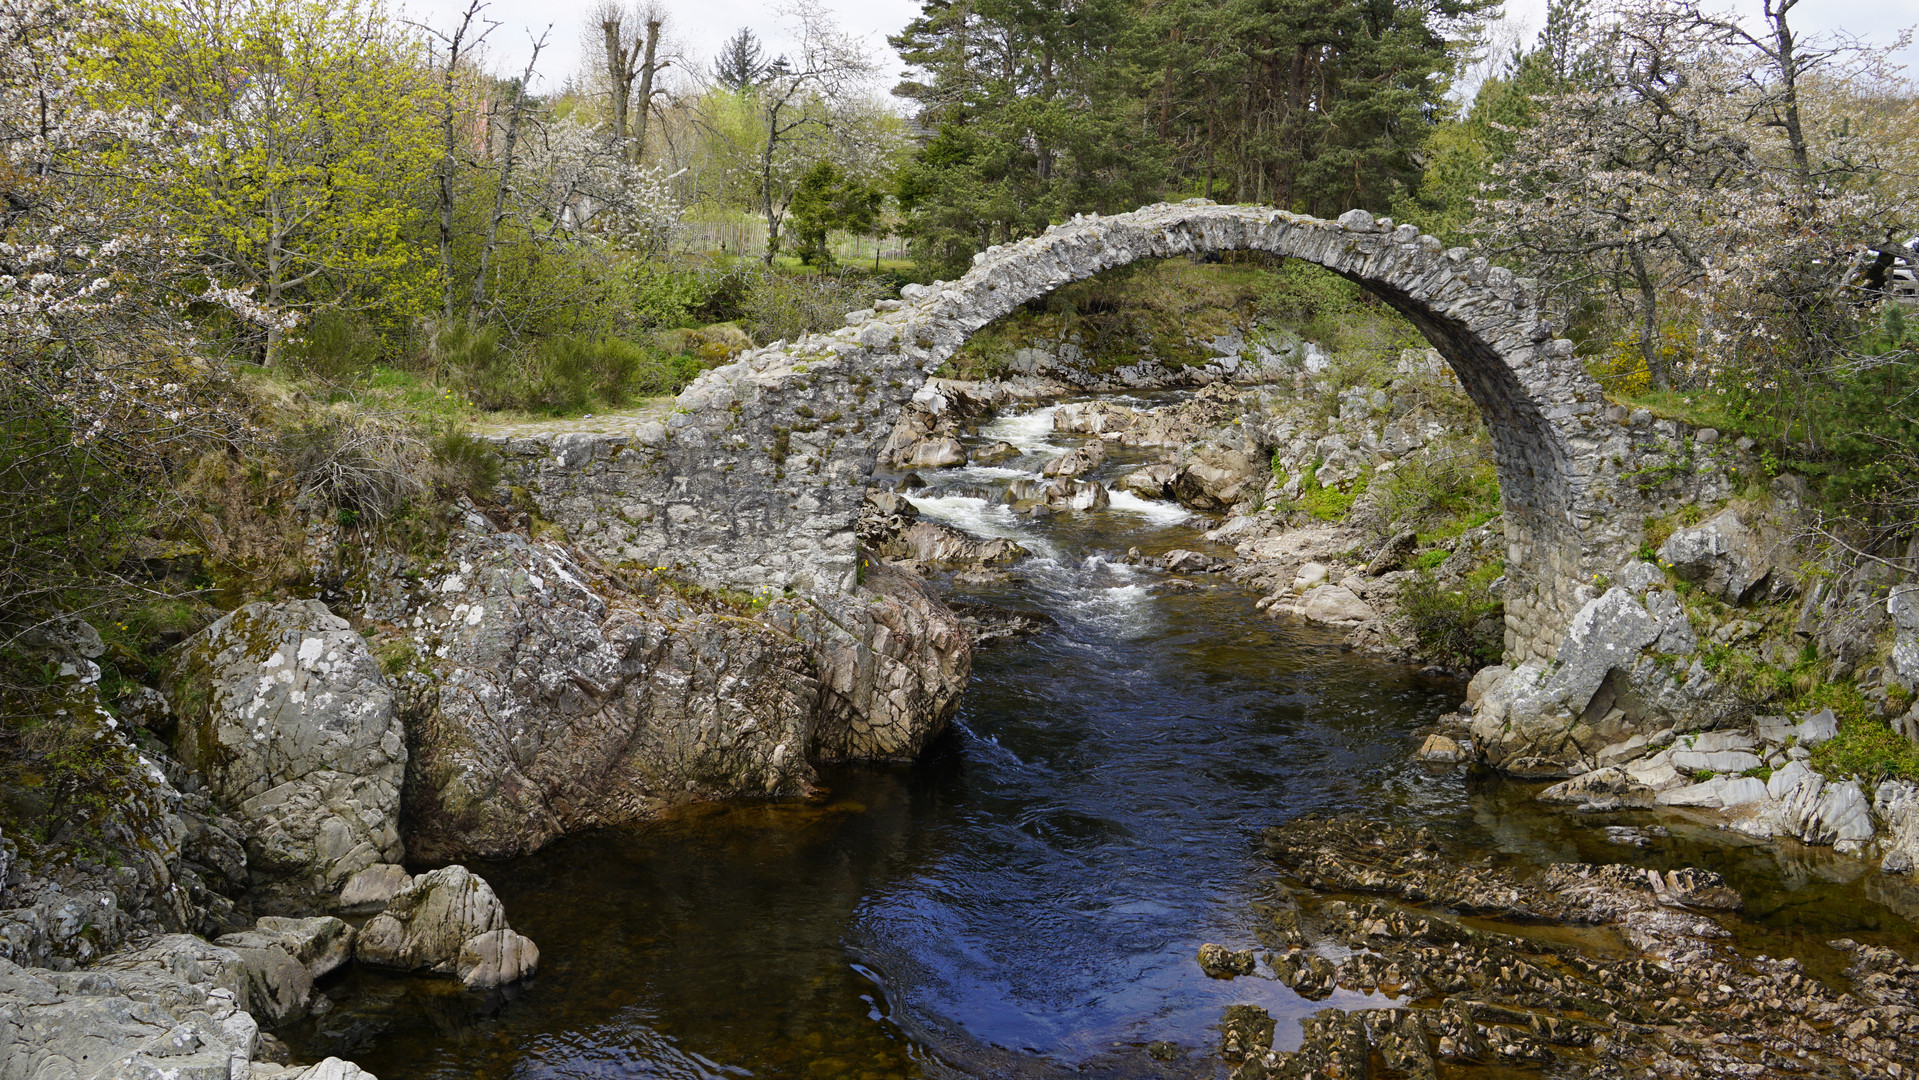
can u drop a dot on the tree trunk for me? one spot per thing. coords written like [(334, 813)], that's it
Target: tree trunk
[(766, 182), (478, 299), (619, 77), (647, 71), (445, 194), (1649, 325)]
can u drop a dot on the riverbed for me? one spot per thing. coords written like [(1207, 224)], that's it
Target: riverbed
[(1028, 899)]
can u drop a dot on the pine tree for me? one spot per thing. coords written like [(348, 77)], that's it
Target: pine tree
[(741, 62)]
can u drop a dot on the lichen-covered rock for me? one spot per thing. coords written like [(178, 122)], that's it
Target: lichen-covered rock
[(1610, 684), (546, 705), (448, 922), (284, 712), (1721, 555), (153, 1021), (1903, 607), (114, 849), (546, 694)]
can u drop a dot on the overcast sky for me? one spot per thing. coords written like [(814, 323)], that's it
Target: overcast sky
[(700, 26)]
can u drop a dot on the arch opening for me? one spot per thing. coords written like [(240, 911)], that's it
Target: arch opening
[(766, 459)]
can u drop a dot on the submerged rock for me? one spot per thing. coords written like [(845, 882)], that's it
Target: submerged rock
[(1220, 962), (1516, 987)]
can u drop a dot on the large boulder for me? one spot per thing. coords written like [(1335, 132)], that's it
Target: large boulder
[(1209, 488), (1335, 605), (1094, 418), (1721, 555), (1063, 494), (1150, 482), (540, 704), (1075, 462), (934, 544), (935, 453), (448, 922), (285, 713), (1624, 671), (546, 696)]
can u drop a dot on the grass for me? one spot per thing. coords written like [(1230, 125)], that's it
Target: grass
[(1866, 746)]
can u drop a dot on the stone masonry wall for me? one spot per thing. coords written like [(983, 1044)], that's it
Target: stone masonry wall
[(755, 479)]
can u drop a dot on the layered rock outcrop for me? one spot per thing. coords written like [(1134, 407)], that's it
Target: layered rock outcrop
[(1627, 668)]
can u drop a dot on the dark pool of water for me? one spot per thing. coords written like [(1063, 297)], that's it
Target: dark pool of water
[(1029, 898)]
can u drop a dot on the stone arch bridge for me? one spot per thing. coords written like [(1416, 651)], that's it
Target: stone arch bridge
[(754, 480)]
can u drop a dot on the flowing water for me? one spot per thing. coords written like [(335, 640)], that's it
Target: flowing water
[(1028, 899)]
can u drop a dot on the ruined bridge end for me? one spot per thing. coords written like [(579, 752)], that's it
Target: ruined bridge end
[(754, 480)]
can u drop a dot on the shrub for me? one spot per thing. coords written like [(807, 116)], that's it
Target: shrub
[(791, 305), (464, 463), (665, 296), (333, 345), (567, 373), (1459, 625), (1426, 488)]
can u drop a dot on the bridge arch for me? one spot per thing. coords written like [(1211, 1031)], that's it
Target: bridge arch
[(761, 467)]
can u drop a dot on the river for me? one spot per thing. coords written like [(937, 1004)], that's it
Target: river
[(1028, 899)]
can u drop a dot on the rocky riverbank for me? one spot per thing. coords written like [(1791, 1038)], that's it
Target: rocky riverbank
[(1377, 517), (1575, 970), (196, 859)]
